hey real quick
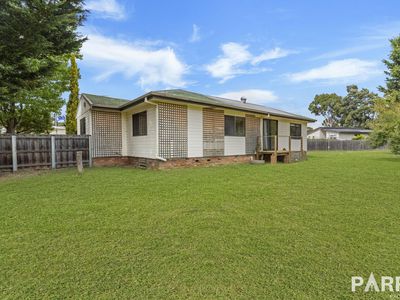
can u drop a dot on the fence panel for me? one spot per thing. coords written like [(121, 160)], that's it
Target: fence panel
[(42, 151), (338, 145)]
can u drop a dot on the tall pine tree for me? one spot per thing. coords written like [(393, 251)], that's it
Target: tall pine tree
[(73, 101)]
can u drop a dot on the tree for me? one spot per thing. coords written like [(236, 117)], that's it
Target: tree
[(357, 108), (328, 106), (353, 110), (393, 73), (73, 101), (35, 36), (386, 127)]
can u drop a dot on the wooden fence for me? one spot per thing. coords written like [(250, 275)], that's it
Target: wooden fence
[(338, 145), (42, 151)]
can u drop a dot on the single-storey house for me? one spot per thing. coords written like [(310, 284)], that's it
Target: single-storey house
[(337, 133), (178, 127)]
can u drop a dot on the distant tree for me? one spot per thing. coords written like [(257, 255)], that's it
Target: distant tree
[(386, 127), (328, 106), (353, 110), (35, 36), (73, 101), (357, 108), (393, 71)]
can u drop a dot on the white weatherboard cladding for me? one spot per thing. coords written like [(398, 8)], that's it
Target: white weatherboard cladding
[(283, 134), (235, 145), (140, 146), (195, 132)]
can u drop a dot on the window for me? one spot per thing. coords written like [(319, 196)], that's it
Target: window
[(295, 131), (234, 126), (82, 126), (139, 124)]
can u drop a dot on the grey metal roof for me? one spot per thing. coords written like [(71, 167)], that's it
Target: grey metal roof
[(343, 129), (191, 97)]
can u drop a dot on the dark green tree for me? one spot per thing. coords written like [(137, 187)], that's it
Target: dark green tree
[(35, 37), (353, 110), (357, 108), (393, 71), (73, 101), (328, 106)]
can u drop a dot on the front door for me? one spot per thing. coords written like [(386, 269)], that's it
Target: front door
[(270, 130)]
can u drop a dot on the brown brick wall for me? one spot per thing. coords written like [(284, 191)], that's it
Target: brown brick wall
[(149, 163), (213, 132)]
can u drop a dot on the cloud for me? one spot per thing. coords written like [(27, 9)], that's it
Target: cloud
[(271, 54), (152, 66), (195, 37), (106, 9), (367, 38), (339, 70), (236, 59), (347, 51), (256, 96)]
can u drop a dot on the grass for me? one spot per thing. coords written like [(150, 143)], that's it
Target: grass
[(297, 231)]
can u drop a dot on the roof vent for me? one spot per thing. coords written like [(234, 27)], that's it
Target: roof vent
[(243, 99)]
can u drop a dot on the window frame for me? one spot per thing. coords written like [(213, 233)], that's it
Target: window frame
[(140, 122), (298, 127), (235, 130), (82, 121)]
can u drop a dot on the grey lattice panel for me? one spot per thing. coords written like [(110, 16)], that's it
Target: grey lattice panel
[(213, 132), (107, 133), (252, 132), (172, 131)]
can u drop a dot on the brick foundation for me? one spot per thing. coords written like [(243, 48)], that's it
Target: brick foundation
[(148, 163)]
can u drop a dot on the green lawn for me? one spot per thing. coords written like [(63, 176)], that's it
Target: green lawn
[(293, 231)]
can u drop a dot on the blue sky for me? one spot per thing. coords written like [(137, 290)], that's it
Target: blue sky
[(277, 53)]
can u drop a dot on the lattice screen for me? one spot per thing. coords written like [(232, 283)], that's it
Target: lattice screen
[(173, 128), (213, 132), (252, 131), (107, 133)]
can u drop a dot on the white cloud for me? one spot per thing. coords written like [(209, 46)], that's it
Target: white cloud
[(107, 9), (152, 66), (270, 54), (236, 59), (256, 96), (339, 70), (195, 37)]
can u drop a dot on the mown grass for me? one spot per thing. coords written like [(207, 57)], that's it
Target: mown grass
[(297, 231)]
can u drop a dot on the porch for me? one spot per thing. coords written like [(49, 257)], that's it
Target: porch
[(280, 148)]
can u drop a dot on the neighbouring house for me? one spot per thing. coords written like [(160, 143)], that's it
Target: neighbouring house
[(177, 127), (336, 133), (58, 130)]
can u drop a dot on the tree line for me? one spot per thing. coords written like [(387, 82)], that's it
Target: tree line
[(361, 108)]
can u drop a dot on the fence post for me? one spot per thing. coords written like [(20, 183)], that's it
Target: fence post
[(53, 152), (90, 151), (79, 163), (14, 153)]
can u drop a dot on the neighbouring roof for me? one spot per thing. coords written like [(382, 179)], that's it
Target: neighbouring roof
[(342, 129), (196, 98)]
